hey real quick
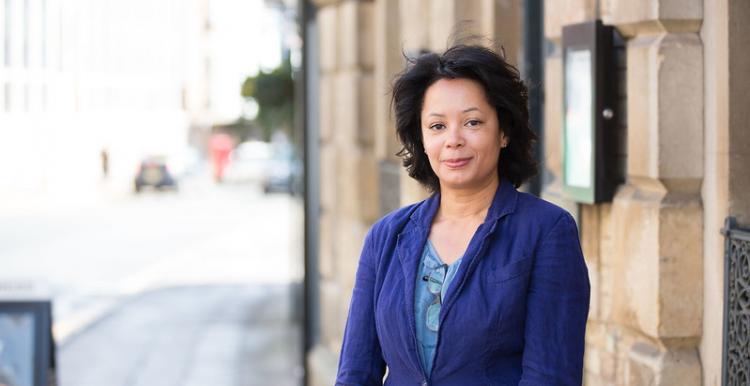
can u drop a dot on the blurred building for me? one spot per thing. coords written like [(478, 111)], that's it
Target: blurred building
[(87, 77), (655, 253), (85, 80)]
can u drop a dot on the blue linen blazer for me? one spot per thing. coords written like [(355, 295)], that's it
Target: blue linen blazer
[(515, 313)]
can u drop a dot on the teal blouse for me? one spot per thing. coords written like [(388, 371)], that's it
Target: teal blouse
[(427, 275)]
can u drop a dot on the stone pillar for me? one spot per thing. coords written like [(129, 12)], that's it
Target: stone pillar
[(726, 159), (348, 170), (658, 214), (644, 250), (504, 25), (389, 61)]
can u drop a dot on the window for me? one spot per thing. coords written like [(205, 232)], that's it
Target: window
[(8, 31)]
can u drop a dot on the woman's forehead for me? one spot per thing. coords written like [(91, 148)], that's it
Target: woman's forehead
[(456, 95)]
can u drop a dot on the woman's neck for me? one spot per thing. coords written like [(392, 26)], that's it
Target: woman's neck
[(466, 204)]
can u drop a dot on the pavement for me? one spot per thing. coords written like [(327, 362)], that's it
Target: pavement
[(218, 335), (188, 288)]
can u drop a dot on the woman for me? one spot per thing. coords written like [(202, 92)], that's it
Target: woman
[(479, 284)]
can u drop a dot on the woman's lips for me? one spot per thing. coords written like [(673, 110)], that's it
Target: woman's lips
[(455, 163)]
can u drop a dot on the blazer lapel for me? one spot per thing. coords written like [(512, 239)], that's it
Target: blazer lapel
[(410, 244)]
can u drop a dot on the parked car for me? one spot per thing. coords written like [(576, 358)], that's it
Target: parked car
[(153, 172), (249, 162), (284, 173)]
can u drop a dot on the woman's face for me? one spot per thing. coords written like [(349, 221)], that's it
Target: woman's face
[(461, 134)]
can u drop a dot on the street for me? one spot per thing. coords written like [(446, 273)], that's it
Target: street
[(207, 253)]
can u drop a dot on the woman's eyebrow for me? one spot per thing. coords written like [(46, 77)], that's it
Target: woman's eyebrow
[(465, 111)]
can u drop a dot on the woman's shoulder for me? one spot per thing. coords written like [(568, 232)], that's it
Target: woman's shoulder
[(394, 221), (385, 231), (539, 221), (545, 213)]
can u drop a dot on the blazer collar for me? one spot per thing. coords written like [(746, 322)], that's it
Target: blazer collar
[(504, 202)]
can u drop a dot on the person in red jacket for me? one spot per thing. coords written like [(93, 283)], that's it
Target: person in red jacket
[(220, 147)]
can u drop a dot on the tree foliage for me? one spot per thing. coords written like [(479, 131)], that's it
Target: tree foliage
[(274, 93)]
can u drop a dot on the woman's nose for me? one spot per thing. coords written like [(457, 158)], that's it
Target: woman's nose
[(455, 138)]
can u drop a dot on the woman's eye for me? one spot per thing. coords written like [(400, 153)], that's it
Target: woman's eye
[(437, 126), (473, 122)]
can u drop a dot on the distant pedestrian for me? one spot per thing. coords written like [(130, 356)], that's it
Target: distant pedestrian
[(220, 147), (104, 156), (479, 284)]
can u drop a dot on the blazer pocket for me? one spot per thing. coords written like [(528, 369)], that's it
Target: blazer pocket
[(510, 270)]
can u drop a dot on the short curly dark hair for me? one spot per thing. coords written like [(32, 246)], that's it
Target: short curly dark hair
[(504, 90)]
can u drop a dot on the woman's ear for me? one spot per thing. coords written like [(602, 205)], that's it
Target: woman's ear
[(503, 140)]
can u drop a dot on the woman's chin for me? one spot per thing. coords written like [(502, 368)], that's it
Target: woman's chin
[(460, 181), (457, 182)]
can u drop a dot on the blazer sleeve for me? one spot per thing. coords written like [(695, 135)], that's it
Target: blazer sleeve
[(557, 309), (361, 362)]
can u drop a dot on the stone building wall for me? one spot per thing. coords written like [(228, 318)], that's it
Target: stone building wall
[(655, 254), (645, 249), (348, 170)]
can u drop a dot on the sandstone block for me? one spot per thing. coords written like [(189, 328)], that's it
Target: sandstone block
[(354, 109), (411, 190), (356, 34), (389, 186), (642, 100), (414, 25), (329, 179), (553, 112), (594, 346), (674, 15), (322, 364), (388, 63), (327, 254), (502, 21), (346, 110), (461, 21), (332, 321), (665, 106), (590, 230), (366, 110), (443, 23), (369, 183), (328, 26), (606, 264), (679, 60), (358, 186), (327, 98), (636, 263), (658, 260), (680, 265), (350, 238), (325, 3), (558, 13), (651, 365)]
